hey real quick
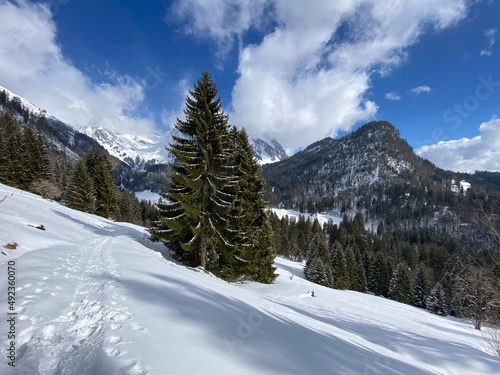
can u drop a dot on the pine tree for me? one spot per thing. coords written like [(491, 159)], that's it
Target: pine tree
[(34, 160), (352, 273), (318, 269), (436, 302), (399, 286), (378, 279), (249, 224), (419, 288), (105, 190), (194, 217), (10, 144), (339, 267), (80, 191)]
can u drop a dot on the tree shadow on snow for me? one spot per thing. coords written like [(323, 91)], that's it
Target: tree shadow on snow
[(275, 343)]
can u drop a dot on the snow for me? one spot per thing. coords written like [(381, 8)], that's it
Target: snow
[(93, 296), (130, 146), (147, 195), (322, 217), (26, 103), (464, 185)]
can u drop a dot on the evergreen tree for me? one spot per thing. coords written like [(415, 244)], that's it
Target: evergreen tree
[(378, 280), (105, 190), (34, 160), (250, 228), (318, 269), (339, 267), (352, 274), (194, 216), (360, 282), (10, 145), (436, 302), (399, 286), (80, 191), (419, 288)]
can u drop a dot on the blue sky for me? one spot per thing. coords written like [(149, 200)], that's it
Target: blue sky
[(297, 71)]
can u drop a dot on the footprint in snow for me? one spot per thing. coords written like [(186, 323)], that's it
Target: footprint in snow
[(115, 326), (137, 327), (112, 352), (115, 339)]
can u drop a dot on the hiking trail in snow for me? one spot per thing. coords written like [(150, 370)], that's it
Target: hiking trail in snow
[(87, 334)]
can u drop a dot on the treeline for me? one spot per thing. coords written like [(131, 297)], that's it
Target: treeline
[(214, 214), (86, 184), (423, 267)]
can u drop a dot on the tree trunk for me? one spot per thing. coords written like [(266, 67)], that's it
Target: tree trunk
[(203, 246)]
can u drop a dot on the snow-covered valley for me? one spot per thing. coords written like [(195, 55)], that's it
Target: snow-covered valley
[(93, 296)]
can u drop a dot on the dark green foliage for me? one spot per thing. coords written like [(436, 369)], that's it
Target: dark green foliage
[(23, 156), (79, 193), (339, 267), (91, 187), (420, 288), (436, 302), (399, 286), (194, 217), (129, 208), (318, 268), (213, 214), (378, 278), (105, 191)]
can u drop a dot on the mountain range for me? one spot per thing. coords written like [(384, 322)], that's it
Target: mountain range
[(372, 171), (139, 160)]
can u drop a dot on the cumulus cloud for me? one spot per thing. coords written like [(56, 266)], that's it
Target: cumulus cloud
[(309, 76), (223, 21), (420, 89), (33, 66), (393, 95), (490, 36), (468, 154)]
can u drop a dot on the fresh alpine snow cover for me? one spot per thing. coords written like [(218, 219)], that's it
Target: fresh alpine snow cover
[(95, 296)]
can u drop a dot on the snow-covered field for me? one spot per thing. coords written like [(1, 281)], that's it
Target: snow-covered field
[(93, 297)]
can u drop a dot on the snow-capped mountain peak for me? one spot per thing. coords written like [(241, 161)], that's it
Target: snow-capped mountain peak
[(133, 149)]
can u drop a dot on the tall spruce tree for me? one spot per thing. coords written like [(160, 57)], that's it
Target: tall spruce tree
[(399, 286), (79, 193), (318, 268), (378, 278), (105, 190), (339, 266), (194, 216), (436, 302), (420, 288), (250, 225), (10, 144)]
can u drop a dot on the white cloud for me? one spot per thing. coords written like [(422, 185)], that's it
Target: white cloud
[(490, 36), (309, 76), (468, 154), (393, 95), (33, 66), (223, 21), (420, 89)]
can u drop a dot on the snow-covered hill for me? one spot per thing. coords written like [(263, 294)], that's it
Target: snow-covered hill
[(93, 297)]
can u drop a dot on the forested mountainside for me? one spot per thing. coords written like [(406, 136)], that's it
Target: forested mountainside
[(375, 172), (63, 140)]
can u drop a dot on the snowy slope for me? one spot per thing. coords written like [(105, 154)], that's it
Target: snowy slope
[(133, 149), (94, 298)]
